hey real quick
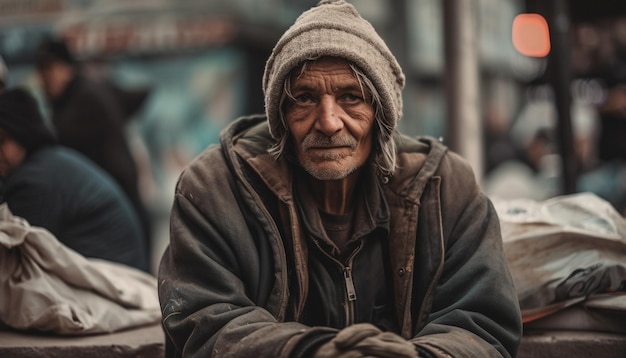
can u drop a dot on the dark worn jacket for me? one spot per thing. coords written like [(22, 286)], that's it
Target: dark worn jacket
[(90, 118), (235, 231), (59, 189)]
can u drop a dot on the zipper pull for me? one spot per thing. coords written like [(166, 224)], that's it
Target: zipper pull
[(347, 275)]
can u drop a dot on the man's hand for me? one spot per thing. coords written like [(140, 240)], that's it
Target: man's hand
[(365, 340)]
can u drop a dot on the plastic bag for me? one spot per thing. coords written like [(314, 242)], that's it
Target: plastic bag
[(564, 251), (46, 286)]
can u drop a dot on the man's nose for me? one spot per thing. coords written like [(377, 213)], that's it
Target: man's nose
[(328, 118)]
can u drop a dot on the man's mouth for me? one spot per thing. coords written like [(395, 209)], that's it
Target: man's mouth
[(328, 153), (319, 143), (330, 147)]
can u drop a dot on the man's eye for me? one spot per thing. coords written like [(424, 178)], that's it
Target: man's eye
[(303, 98), (348, 97)]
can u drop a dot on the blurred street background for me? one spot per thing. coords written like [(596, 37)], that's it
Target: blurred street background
[(537, 104)]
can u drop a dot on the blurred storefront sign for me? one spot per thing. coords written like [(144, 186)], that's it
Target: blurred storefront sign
[(96, 29), (147, 35), (11, 8), (21, 12)]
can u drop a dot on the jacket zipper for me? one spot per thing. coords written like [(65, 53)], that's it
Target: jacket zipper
[(350, 293), (349, 283), (350, 290)]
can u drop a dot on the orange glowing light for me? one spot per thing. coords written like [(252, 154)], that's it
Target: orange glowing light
[(531, 36)]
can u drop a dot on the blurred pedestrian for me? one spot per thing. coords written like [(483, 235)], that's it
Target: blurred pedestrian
[(56, 188), (91, 117)]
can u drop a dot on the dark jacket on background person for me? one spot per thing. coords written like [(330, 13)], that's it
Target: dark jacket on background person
[(60, 190), (90, 118), (238, 224)]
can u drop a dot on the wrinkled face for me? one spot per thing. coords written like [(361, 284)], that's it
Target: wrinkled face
[(330, 120), (12, 154)]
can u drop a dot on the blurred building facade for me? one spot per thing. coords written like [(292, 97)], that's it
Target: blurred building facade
[(203, 61), (208, 56)]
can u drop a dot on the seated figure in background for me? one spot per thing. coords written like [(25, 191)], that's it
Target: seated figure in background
[(92, 117), (61, 190)]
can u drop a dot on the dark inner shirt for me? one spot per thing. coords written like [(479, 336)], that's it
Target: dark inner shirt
[(359, 241), (338, 229)]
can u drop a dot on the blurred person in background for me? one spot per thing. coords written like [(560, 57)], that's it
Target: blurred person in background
[(56, 188), (317, 230), (535, 172), (608, 177), (91, 117)]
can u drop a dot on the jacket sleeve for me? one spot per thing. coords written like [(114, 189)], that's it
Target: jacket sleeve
[(474, 311), (210, 276), (34, 198)]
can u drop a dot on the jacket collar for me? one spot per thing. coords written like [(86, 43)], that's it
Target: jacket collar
[(370, 212), (249, 138)]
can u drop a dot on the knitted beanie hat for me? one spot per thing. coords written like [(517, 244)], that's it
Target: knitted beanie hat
[(20, 116), (52, 49), (333, 28)]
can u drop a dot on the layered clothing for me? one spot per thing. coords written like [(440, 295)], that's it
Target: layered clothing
[(91, 118), (249, 273), (62, 191)]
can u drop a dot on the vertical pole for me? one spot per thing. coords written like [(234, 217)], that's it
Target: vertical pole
[(559, 24), (398, 29), (464, 125)]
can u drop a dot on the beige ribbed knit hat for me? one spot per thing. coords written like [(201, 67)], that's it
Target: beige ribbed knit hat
[(333, 28)]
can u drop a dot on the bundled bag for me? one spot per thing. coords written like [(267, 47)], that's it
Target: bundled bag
[(46, 286), (565, 251)]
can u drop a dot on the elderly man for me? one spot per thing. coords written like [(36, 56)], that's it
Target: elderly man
[(319, 231)]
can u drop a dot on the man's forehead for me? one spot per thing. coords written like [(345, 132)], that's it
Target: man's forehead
[(320, 68)]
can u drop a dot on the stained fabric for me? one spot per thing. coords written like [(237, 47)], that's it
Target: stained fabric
[(45, 286), (564, 251)]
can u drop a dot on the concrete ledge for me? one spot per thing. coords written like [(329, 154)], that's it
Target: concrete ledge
[(572, 344), (147, 342), (144, 342)]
